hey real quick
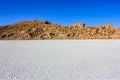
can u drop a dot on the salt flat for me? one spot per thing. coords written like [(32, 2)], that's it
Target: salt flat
[(60, 60)]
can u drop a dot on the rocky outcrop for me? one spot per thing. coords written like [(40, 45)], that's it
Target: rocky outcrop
[(78, 26), (36, 30), (109, 26)]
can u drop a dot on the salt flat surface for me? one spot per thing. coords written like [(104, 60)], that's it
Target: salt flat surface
[(60, 60)]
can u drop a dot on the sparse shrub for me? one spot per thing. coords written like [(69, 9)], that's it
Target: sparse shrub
[(47, 22)]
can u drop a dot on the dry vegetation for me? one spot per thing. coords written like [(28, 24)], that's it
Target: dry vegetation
[(37, 30)]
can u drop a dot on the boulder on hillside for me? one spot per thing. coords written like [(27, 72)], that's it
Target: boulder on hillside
[(78, 26), (108, 26)]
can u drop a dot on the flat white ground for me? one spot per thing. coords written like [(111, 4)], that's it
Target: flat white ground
[(60, 60)]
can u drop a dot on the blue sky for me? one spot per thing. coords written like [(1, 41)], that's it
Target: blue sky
[(63, 12)]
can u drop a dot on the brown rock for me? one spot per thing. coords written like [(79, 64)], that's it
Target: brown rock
[(78, 26), (108, 26)]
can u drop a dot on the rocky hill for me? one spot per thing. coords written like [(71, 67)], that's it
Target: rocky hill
[(37, 30)]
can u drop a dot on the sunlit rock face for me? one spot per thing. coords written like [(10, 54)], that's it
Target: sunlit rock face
[(37, 30), (108, 26), (78, 26)]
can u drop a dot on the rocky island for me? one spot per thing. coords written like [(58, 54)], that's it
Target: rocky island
[(44, 30)]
